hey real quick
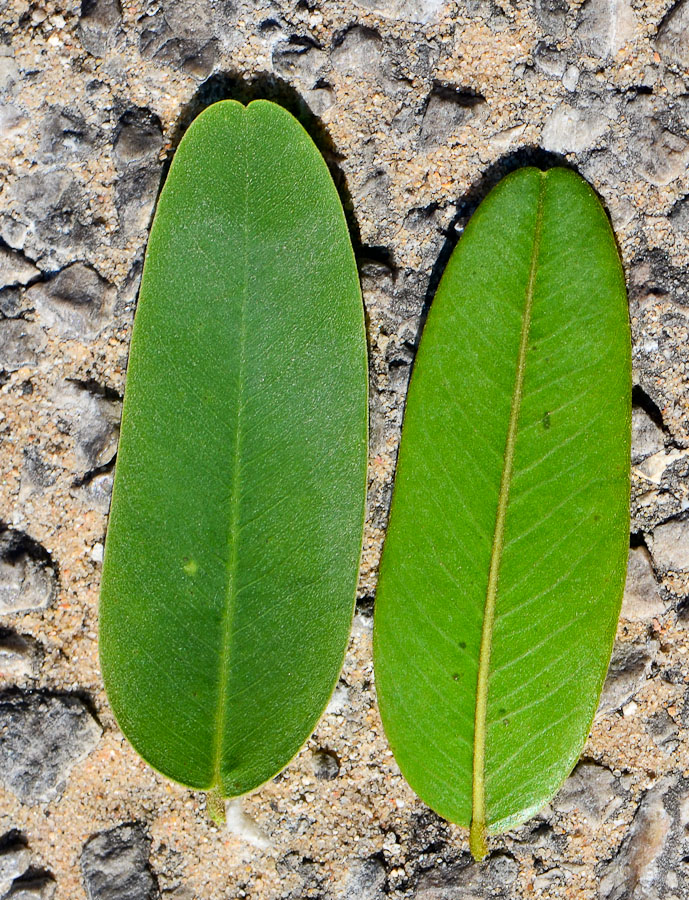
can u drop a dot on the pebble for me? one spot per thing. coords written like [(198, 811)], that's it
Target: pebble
[(27, 577), (115, 865), (20, 658), (494, 877), (92, 420), (42, 737), (15, 268), (364, 880), (15, 859)]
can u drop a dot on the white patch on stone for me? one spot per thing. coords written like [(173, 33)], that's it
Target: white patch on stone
[(97, 552), (237, 822), (571, 130), (419, 11)]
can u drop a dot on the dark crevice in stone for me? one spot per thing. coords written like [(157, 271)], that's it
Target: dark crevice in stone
[(462, 96), (365, 31), (641, 399), (365, 606), (652, 272), (13, 838), (637, 539), (88, 477), (268, 25), (91, 386), (381, 255), (14, 544), (33, 879)]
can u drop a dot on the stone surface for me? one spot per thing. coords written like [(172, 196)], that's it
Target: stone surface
[(669, 546), (171, 35), (325, 765), (591, 790), (93, 421), (629, 669), (139, 137), (15, 859), (75, 304), (41, 738), (97, 491), (32, 889), (672, 40), (571, 130), (99, 23), (365, 880), (494, 877), (49, 217), (634, 873), (642, 599), (20, 342), (115, 865), (15, 268), (647, 437), (418, 105), (20, 658), (446, 111), (664, 730), (605, 26), (27, 577)]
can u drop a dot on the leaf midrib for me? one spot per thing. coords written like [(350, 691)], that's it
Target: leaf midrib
[(477, 838), (233, 533)]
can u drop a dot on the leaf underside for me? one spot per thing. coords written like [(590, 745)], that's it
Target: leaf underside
[(237, 516), (504, 563)]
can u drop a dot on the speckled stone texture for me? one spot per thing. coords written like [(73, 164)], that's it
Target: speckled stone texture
[(419, 107)]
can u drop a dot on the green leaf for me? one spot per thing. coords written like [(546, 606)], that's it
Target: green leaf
[(504, 564), (237, 515)]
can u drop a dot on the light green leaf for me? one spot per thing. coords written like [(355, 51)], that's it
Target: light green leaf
[(503, 569), (237, 516)]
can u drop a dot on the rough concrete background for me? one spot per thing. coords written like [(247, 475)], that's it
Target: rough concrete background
[(419, 106)]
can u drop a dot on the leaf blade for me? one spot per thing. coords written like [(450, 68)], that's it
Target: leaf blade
[(257, 533), (465, 374)]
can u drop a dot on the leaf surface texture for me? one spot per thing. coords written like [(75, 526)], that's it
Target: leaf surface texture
[(237, 516), (504, 564)]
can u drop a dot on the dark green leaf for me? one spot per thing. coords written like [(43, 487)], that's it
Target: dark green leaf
[(237, 516), (504, 564)]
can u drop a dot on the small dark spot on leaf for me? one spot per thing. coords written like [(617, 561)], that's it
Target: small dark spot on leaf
[(455, 677), (546, 420), (463, 645)]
